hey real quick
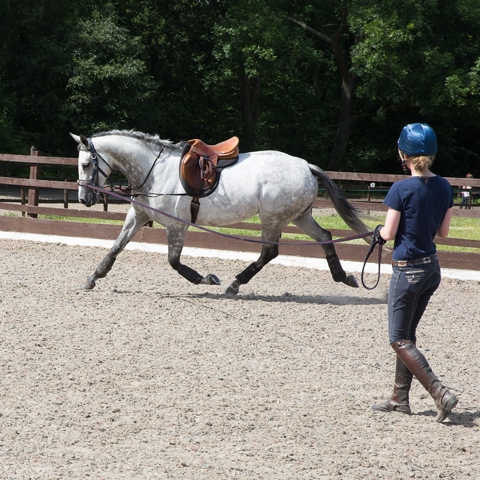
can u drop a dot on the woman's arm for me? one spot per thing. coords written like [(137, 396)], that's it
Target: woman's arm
[(389, 230), (445, 226)]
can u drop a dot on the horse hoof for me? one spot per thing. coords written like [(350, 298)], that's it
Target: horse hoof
[(213, 279), (233, 289), (351, 281), (87, 285)]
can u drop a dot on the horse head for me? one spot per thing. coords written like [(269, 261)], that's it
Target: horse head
[(91, 170)]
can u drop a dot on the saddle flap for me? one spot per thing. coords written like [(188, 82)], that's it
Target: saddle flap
[(198, 166)]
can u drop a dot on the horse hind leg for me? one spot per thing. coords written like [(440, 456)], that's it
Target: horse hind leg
[(268, 253), (308, 225)]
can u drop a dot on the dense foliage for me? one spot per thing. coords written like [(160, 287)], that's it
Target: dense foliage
[(330, 81)]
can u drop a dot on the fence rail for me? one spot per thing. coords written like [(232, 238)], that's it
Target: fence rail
[(29, 204)]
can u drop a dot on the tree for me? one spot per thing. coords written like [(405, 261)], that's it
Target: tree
[(417, 63), (282, 81), (108, 85), (349, 81), (32, 73), (398, 64), (332, 82)]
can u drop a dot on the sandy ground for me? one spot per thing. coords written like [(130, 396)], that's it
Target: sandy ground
[(148, 376)]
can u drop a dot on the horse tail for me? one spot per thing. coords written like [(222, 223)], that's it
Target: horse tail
[(349, 214)]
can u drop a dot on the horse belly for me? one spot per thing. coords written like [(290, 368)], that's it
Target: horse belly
[(267, 183), (225, 207)]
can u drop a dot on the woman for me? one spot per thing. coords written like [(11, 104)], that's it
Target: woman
[(420, 207)]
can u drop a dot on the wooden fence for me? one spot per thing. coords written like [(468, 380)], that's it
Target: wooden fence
[(367, 188)]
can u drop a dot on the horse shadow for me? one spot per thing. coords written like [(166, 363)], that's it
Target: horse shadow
[(467, 419), (286, 297)]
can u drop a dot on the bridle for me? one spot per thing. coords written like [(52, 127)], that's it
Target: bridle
[(98, 170), (94, 155)]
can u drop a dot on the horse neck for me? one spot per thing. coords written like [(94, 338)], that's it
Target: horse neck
[(134, 159)]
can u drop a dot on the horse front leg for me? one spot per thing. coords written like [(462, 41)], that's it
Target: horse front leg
[(134, 221), (175, 238)]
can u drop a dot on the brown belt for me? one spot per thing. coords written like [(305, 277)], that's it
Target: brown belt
[(413, 263)]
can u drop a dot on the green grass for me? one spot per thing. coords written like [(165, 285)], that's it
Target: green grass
[(99, 221), (460, 227)]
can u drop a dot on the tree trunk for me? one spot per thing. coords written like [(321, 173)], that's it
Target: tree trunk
[(345, 115), (349, 83), (345, 124), (250, 108)]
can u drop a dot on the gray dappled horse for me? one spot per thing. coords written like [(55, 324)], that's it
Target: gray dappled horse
[(279, 188)]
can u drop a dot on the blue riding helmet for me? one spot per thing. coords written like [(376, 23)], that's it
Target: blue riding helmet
[(418, 139)]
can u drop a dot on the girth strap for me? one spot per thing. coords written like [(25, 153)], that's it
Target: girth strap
[(194, 208)]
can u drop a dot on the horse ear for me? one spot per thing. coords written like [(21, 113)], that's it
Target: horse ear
[(80, 139), (84, 140), (75, 137)]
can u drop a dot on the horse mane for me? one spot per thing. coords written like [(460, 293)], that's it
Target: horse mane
[(144, 137)]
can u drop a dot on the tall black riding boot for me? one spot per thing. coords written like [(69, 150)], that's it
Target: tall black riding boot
[(398, 402), (418, 365)]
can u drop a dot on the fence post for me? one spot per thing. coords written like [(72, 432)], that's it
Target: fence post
[(105, 202), (65, 196), (34, 192), (23, 198)]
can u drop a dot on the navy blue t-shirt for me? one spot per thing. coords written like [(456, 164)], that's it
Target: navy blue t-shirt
[(423, 202)]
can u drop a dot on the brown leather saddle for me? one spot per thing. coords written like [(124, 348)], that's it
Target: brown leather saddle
[(201, 165)]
